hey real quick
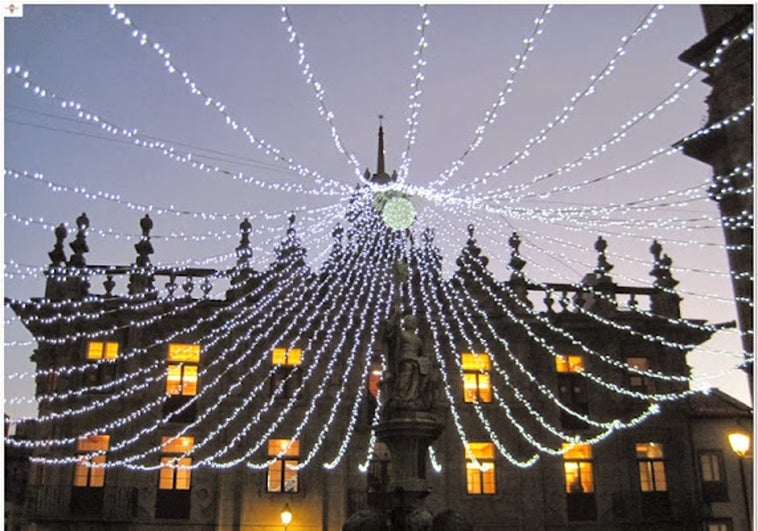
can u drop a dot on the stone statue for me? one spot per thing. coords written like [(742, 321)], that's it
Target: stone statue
[(408, 383)]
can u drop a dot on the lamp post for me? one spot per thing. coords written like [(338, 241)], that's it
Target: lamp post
[(740, 443), (286, 515)]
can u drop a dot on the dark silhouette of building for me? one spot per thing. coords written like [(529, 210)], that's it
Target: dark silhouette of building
[(729, 150), (154, 373)]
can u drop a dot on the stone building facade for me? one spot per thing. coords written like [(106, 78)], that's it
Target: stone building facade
[(122, 370)]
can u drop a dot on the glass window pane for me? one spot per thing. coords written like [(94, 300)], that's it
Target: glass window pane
[(275, 446), (183, 475), (81, 472), (174, 380), (93, 443), (111, 350), (485, 387), (294, 356), (473, 483), (488, 481), (709, 467), (660, 476), (95, 350), (646, 479), (279, 356), (290, 476), (469, 387), (577, 451), (572, 479), (97, 473), (475, 362), (274, 477), (177, 445), (588, 481), (481, 450), (166, 476), (184, 352), (189, 380)]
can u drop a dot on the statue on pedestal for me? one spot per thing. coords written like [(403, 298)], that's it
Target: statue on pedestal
[(409, 384)]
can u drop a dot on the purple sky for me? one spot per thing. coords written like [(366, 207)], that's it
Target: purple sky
[(362, 55)]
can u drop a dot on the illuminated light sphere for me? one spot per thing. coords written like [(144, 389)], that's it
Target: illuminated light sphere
[(398, 213)]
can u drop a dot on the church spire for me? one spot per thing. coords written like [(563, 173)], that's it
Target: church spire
[(381, 176), (380, 151)]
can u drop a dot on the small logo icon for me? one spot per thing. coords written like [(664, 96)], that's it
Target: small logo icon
[(14, 10)]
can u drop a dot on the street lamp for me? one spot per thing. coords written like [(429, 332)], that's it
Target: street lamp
[(740, 443), (286, 516)]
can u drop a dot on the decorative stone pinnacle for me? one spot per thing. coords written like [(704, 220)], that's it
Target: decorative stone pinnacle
[(517, 263), (79, 245), (603, 266), (57, 255), (146, 224)]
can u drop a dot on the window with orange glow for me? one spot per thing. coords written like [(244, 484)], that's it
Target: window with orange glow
[(569, 363), (279, 477), (651, 467), (182, 376), (99, 350), (286, 378), (89, 470), (577, 468), (480, 478), (283, 356), (175, 473), (184, 352), (477, 384)]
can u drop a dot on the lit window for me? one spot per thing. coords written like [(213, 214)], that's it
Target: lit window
[(89, 470), (99, 350), (281, 478), (283, 356), (569, 363), (480, 479), (577, 468), (572, 389), (182, 352), (175, 473), (477, 385), (721, 525), (182, 373), (286, 378), (651, 467), (640, 382)]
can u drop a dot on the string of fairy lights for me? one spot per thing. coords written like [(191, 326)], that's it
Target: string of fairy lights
[(331, 307)]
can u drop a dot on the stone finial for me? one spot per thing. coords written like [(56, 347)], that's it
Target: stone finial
[(665, 301), (603, 266), (141, 280), (517, 263), (243, 250), (79, 245), (143, 247), (57, 255)]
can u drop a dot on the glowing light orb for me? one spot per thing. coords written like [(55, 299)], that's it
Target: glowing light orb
[(398, 213)]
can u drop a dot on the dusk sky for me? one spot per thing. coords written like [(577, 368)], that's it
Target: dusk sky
[(240, 57)]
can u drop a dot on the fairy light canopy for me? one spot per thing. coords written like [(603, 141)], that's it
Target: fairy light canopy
[(254, 208)]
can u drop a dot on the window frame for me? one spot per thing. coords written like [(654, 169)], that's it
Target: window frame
[(177, 361), (287, 371), (654, 481), (481, 373), (485, 480), (85, 474), (713, 490), (279, 466), (173, 456)]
